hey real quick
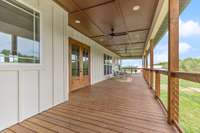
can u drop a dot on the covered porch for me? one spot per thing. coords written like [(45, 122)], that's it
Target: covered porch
[(72, 87), (115, 105)]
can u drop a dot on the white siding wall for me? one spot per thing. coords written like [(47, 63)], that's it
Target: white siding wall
[(28, 89), (8, 98)]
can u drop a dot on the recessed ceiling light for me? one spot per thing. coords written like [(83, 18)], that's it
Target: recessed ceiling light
[(136, 8), (77, 21)]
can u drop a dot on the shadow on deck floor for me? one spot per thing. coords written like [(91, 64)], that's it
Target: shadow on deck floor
[(112, 106)]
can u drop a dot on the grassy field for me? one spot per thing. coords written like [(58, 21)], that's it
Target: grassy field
[(189, 104)]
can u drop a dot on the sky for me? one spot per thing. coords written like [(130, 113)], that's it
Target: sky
[(189, 43), (189, 33), (129, 62)]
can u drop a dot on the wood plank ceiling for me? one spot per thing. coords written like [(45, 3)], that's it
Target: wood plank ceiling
[(98, 18)]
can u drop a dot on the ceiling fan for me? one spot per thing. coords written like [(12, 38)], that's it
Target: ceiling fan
[(113, 34)]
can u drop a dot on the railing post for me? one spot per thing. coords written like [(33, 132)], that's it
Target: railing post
[(157, 84), (148, 70), (149, 77), (173, 64), (151, 63)]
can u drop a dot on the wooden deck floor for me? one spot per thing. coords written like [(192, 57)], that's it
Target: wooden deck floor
[(112, 106)]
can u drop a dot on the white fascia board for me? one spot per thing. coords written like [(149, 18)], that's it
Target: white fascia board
[(161, 12)]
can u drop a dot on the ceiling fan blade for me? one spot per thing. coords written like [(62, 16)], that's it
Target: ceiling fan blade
[(120, 34)]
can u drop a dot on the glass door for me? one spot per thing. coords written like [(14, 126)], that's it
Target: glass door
[(79, 65)]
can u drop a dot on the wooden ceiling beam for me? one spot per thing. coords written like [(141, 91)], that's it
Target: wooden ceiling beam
[(131, 57), (137, 49), (119, 48), (122, 44), (128, 52), (131, 31), (131, 53), (94, 6)]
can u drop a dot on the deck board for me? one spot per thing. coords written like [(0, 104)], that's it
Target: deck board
[(111, 106)]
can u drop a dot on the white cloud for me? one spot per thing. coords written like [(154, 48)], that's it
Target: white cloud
[(189, 28), (161, 51), (161, 57), (184, 47)]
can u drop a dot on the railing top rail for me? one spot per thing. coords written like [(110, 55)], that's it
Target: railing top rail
[(162, 71), (191, 76), (195, 77)]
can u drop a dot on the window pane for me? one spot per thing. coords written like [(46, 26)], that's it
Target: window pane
[(5, 47), (22, 25), (85, 61), (107, 69), (110, 60), (104, 69), (75, 61), (104, 64), (104, 59), (27, 50), (107, 64), (110, 70)]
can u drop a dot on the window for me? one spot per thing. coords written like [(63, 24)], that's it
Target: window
[(107, 64), (19, 33)]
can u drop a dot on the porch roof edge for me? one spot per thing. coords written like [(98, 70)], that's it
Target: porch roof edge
[(160, 22)]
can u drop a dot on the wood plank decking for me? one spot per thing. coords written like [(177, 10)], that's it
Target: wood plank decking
[(111, 106)]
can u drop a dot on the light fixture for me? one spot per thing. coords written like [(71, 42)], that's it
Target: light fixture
[(77, 21), (136, 8)]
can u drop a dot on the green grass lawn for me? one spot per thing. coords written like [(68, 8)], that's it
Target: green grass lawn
[(189, 104)]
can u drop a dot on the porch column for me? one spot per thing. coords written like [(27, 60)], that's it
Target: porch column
[(147, 71), (146, 60), (151, 62), (173, 61), (14, 45), (143, 61)]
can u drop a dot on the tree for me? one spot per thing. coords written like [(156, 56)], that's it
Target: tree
[(6, 52), (186, 65)]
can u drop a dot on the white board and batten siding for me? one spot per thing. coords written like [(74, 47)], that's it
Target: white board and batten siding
[(28, 89)]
